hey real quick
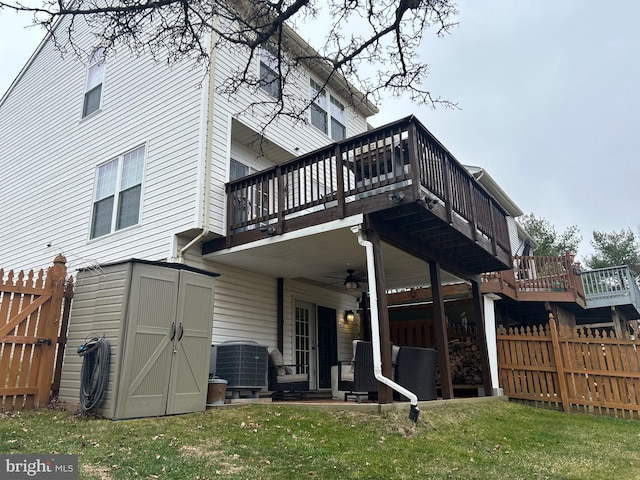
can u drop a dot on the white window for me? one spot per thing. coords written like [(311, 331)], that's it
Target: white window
[(318, 106), (338, 120), (252, 202), (238, 170), (327, 116), (118, 193), (269, 80), (93, 87)]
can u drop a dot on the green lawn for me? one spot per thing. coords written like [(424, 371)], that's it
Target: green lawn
[(498, 440)]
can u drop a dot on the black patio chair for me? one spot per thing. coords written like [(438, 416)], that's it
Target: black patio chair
[(416, 371), (355, 377), (287, 382)]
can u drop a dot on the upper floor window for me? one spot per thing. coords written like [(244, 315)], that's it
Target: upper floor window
[(318, 106), (118, 193), (338, 120), (269, 79), (238, 170), (328, 116), (93, 87)]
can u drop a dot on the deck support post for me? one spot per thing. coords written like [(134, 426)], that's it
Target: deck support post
[(440, 327), (280, 313)]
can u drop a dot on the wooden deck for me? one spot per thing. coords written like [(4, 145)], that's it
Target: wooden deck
[(538, 279), (612, 287), (412, 190)]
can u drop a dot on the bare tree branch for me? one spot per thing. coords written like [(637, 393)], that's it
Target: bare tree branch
[(373, 44)]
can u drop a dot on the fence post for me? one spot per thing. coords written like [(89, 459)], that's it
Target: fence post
[(48, 328), (559, 359), (62, 337)]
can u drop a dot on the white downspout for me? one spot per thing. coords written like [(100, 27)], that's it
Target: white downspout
[(207, 153), (375, 332)]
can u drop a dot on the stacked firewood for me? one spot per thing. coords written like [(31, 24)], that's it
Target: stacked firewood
[(464, 357)]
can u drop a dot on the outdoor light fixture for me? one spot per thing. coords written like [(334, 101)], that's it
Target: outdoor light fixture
[(270, 230), (351, 283), (430, 201), (396, 197), (349, 316)]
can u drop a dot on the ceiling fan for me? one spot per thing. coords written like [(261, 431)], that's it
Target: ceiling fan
[(352, 281)]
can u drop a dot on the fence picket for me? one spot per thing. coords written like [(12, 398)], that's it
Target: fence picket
[(30, 309), (583, 369)]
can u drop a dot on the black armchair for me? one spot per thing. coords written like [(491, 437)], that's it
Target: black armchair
[(287, 382), (356, 377), (416, 371)]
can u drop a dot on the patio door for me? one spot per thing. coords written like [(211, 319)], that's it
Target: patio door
[(304, 319), (327, 345), (316, 343)]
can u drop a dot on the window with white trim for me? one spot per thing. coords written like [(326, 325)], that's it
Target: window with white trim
[(338, 120), (328, 116), (269, 79), (318, 98), (238, 170), (252, 202), (93, 85), (118, 192)]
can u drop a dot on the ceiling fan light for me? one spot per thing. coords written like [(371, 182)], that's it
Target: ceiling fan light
[(351, 286), (351, 283)]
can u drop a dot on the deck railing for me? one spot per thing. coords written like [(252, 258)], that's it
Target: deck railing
[(611, 286), (540, 274), (401, 154)]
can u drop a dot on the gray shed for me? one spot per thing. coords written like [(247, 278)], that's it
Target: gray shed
[(157, 318)]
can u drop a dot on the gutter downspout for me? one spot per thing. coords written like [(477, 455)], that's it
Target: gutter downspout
[(207, 153), (375, 332)]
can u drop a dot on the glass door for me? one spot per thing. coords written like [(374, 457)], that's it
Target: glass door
[(305, 340)]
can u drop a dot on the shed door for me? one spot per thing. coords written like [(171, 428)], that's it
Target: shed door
[(146, 361), (192, 344)]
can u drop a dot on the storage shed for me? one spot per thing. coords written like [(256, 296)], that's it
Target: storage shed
[(157, 318)]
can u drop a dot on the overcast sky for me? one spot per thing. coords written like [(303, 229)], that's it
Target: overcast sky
[(549, 97)]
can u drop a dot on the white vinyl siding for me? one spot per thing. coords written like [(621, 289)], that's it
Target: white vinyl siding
[(53, 178), (246, 307), (292, 136), (513, 235)]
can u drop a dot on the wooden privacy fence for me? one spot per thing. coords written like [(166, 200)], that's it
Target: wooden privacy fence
[(33, 324), (575, 369)]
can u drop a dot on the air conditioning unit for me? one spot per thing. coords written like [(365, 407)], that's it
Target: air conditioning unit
[(243, 364)]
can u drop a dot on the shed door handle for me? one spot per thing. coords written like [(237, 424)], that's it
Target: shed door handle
[(181, 332), (173, 330)]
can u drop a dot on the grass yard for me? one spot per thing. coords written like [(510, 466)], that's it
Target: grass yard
[(488, 440)]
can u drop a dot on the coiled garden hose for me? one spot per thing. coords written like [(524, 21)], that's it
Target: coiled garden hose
[(94, 376)]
